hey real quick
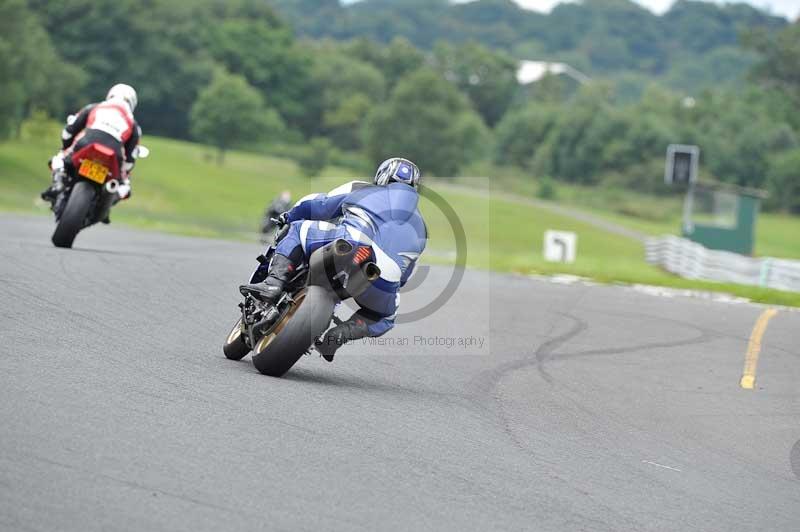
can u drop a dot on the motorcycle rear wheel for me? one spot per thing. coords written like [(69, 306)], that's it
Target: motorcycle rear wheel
[(278, 351), (75, 212)]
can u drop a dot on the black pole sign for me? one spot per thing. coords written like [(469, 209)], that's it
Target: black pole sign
[(681, 165)]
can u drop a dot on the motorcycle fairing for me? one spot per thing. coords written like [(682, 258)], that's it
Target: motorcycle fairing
[(99, 153)]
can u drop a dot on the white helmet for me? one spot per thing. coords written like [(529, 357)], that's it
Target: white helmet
[(123, 92)]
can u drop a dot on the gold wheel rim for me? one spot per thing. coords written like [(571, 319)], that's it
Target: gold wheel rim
[(262, 344), (235, 333)]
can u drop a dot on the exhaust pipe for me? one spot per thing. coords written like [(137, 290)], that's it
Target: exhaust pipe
[(342, 247), (112, 186), (372, 271)]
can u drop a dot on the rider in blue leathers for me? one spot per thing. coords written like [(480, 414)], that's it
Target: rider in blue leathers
[(383, 215)]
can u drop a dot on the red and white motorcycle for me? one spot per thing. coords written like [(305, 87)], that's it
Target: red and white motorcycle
[(91, 184)]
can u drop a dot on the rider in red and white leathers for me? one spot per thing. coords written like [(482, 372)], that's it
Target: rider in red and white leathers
[(110, 123)]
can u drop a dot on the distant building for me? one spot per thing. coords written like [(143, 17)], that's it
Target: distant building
[(532, 71)]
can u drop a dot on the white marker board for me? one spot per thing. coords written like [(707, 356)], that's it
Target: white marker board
[(560, 246)]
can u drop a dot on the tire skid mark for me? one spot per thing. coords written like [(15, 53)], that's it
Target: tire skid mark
[(545, 351), (495, 409), (673, 321), (487, 382), (701, 337), (704, 335)]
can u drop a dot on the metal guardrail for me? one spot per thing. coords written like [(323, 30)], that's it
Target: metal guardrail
[(693, 261)]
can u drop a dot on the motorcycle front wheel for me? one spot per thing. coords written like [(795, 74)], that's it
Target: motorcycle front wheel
[(234, 347)]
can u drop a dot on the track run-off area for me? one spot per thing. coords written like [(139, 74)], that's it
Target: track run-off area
[(520, 404)]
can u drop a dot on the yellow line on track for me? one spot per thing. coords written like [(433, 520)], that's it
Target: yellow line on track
[(748, 381)]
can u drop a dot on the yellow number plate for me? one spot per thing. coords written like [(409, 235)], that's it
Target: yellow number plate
[(93, 170)]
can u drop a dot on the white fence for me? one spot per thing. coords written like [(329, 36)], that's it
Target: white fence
[(693, 261)]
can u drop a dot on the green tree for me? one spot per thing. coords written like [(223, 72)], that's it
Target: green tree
[(573, 149), (309, 17), (229, 112), (698, 27), (548, 189), (429, 121), (395, 60), (778, 69), (344, 122), (589, 140), (596, 36), (32, 75), (168, 50), (783, 181), (156, 47), (722, 65), (495, 23), (736, 134), (521, 133), (315, 157), (487, 77), (263, 51), (346, 90), (104, 58)]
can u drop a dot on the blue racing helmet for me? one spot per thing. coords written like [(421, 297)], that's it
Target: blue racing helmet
[(398, 170)]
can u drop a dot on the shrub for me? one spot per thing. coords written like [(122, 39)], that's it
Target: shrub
[(547, 188)]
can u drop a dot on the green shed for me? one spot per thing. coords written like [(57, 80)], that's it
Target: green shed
[(722, 216)]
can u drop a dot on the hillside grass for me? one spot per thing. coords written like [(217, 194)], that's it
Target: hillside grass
[(776, 233), (180, 188)]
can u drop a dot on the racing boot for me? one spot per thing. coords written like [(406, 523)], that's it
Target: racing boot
[(52, 192), (353, 329), (49, 195), (56, 165), (271, 289)]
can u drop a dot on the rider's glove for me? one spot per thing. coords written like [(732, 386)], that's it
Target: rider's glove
[(280, 220), (335, 338)]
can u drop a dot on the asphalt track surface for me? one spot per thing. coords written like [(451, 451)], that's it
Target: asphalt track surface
[(587, 408)]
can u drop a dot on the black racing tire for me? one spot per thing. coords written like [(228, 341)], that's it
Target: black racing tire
[(74, 215), (234, 347), (309, 320)]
